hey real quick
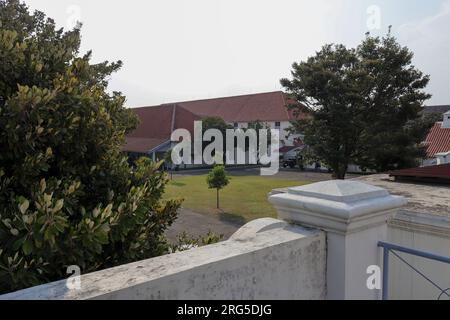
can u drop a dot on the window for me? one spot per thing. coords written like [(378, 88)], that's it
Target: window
[(277, 125), (236, 125)]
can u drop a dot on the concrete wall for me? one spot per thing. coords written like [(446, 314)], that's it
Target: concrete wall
[(266, 259), (429, 233)]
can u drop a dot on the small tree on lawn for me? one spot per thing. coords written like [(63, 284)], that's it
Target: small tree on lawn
[(218, 179)]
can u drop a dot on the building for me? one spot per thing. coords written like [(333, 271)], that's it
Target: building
[(438, 142), (436, 109), (157, 123), (152, 136)]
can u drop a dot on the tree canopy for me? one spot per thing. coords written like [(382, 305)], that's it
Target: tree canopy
[(67, 194), (217, 179), (364, 103)]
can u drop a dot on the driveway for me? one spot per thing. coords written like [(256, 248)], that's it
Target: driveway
[(197, 224), (284, 173)]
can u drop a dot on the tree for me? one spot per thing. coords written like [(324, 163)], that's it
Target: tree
[(219, 124), (168, 162), (215, 123), (327, 85), (364, 105), (394, 97), (217, 179), (67, 194)]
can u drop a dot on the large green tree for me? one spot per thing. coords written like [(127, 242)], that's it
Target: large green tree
[(67, 194), (364, 105), (393, 100)]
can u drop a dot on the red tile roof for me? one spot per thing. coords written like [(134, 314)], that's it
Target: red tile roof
[(156, 126), (440, 173), (269, 106), (157, 123), (142, 145), (438, 140)]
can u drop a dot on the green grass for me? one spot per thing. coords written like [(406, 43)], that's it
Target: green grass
[(243, 200)]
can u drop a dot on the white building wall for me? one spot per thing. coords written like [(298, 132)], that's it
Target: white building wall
[(284, 130)]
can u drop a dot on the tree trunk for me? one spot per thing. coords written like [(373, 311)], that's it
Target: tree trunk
[(339, 171), (217, 198)]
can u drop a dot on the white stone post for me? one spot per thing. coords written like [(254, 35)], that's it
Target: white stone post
[(354, 215)]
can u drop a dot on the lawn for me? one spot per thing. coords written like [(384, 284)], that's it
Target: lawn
[(243, 200)]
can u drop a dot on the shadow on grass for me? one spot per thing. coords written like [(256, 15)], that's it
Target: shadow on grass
[(232, 218), (177, 183)]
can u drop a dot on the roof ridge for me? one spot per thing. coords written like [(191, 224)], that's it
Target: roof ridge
[(174, 111), (234, 96), (187, 110), (283, 98), (207, 99)]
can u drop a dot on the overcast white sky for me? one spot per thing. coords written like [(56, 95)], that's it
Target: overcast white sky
[(176, 50)]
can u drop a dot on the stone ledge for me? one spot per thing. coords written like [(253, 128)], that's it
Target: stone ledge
[(277, 261), (423, 223)]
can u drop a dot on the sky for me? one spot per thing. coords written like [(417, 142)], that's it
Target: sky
[(177, 50)]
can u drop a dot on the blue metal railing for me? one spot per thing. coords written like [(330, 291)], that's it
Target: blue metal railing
[(392, 248)]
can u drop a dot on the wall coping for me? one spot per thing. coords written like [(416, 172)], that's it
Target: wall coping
[(422, 223), (342, 206), (257, 236)]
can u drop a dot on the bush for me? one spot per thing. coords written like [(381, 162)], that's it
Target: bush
[(186, 242), (67, 194)]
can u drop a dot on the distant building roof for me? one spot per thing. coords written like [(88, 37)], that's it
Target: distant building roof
[(156, 126), (440, 173), (438, 140), (270, 106), (436, 109), (157, 123), (142, 145)]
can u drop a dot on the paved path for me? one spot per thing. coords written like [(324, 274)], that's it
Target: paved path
[(290, 174), (197, 224)]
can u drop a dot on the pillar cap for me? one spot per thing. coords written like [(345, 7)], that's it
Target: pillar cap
[(337, 205), (340, 191)]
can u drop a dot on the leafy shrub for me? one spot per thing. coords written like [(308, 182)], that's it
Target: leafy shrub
[(67, 194), (186, 241)]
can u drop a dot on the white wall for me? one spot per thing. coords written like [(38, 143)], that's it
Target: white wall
[(443, 158), (422, 232), (284, 127), (266, 259)]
